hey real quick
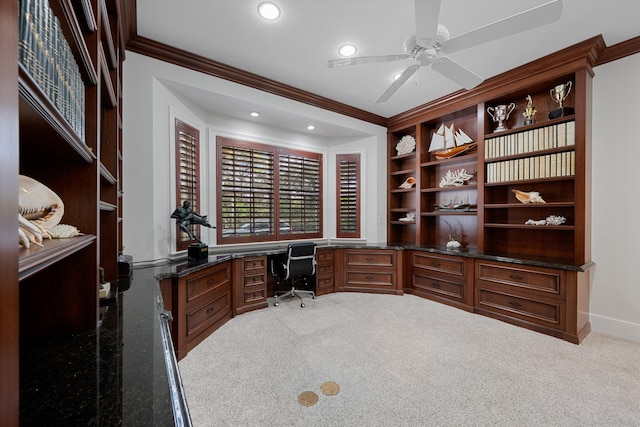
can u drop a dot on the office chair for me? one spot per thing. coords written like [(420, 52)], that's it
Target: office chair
[(298, 264)]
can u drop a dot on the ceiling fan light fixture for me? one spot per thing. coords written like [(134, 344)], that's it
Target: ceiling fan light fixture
[(269, 11), (347, 50)]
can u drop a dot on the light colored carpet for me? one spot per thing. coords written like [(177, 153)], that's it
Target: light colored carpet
[(404, 361)]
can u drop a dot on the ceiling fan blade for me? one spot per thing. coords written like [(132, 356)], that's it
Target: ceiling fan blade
[(336, 63), (532, 18), (397, 83), (456, 72), (427, 14)]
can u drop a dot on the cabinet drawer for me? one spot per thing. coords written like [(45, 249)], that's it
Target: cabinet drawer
[(323, 269), (451, 289), (498, 299), (250, 280), (324, 281), (544, 281), (200, 286), (377, 258), (371, 278), (440, 263), (324, 255), (252, 264), (204, 316)]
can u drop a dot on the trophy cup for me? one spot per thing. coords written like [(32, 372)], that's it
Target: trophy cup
[(559, 94), (500, 114), (529, 111)]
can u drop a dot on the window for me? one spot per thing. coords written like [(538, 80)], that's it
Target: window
[(187, 176), (348, 193), (260, 186)]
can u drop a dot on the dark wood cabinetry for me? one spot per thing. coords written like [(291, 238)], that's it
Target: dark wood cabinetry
[(67, 137), (325, 283), (443, 278), (250, 283), (200, 303), (548, 300), (370, 270), (550, 157)]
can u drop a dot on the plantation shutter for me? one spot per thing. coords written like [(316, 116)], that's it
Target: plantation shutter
[(187, 176), (300, 201), (246, 177), (348, 192), (267, 193)]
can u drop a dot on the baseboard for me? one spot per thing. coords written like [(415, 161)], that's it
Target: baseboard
[(615, 327)]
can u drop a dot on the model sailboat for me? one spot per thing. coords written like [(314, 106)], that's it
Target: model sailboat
[(448, 142)]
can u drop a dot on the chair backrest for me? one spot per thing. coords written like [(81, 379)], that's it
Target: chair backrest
[(301, 259)]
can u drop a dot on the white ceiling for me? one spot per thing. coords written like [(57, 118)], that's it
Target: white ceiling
[(294, 49)]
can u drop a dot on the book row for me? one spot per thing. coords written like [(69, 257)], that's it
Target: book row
[(554, 136), (46, 56), (537, 167)]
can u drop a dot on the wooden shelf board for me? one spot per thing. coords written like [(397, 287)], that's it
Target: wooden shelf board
[(531, 227), (529, 205), (538, 125), (402, 172), (439, 189), (472, 157), (445, 213), (35, 259)]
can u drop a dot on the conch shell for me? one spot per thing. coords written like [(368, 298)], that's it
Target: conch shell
[(40, 211), (408, 183), (528, 197)]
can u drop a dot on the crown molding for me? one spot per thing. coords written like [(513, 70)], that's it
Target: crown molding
[(170, 54)]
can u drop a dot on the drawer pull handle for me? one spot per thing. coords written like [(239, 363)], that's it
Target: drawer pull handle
[(369, 277), (435, 264), (368, 259), (209, 310), (515, 304), (435, 285), (210, 281), (515, 277)]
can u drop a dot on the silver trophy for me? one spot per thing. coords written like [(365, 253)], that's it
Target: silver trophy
[(500, 114), (559, 93)]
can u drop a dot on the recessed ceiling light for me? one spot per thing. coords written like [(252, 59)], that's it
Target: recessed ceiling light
[(347, 49), (269, 11), (254, 114), (311, 127)]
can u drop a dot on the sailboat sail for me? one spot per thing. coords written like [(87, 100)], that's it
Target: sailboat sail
[(447, 142)]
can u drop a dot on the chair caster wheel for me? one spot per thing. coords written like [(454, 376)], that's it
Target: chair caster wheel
[(302, 305), (276, 304), (313, 297)]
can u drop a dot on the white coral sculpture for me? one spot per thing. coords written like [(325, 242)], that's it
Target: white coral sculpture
[(550, 220), (455, 179)]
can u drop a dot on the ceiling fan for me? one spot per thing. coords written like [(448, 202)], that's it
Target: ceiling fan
[(432, 40)]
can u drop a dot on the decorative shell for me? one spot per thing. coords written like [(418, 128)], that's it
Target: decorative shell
[(408, 183), (406, 145), (528, 197)]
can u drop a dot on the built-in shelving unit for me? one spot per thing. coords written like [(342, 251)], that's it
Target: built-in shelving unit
[(68, 138)]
